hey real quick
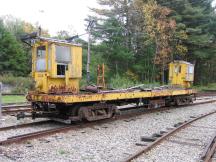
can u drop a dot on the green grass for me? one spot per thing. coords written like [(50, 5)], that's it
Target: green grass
[(62, 152), (211, 86), (13, 99)]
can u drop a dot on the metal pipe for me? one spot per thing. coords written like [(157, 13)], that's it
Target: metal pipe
[(89, 29), (88, 57), (0, 102)]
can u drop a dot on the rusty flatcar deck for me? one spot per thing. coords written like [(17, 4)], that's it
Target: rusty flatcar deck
[(106, 96)]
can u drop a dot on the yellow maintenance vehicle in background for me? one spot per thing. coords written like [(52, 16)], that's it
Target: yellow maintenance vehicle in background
[(181, 73), (57, 71)]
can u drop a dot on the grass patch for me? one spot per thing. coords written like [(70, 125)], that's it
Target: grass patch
[(13, 99), (211, 86)]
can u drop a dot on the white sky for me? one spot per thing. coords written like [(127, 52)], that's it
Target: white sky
[(54, 15)]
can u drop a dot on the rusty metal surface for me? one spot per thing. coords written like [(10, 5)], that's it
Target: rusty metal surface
[(93, 89), (105, 96), (157, 103), (101, 77), (62, 89), (97, 111), (184, 143)]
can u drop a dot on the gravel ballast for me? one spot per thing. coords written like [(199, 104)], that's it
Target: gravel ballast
[(186, 145), (107, 142)]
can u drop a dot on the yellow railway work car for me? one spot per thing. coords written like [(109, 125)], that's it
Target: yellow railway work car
[(57, 70), (56, 66), (181, 73)]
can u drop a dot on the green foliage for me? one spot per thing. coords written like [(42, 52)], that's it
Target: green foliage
[(122, 82), (12, 55), (15, 56), (126, 82), (211, 86), (62, 152), (19, 84), (114, 48), (198, 19), (96, 59), (122, 43), (126, 45)]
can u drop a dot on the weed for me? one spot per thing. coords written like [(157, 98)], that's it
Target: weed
[(62, 152)]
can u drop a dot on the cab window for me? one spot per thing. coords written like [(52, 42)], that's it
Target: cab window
[(178, 69), (63, 54), (63, 58), (41, 59), (191, 69), (61, 68)]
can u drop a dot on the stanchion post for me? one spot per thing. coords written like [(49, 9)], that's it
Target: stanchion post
[(0, 102)]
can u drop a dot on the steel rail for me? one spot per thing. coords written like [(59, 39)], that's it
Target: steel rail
[(33, 135), (8, 109), (209, 150), (15, 106), (24, 125), (20, 138), (165, 136), (16, 110)]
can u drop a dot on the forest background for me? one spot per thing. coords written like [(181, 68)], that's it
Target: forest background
[(135, 39)]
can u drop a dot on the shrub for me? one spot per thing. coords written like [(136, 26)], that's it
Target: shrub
[(19, 84), (122, 82)]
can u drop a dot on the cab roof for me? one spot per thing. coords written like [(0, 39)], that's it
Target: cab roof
[(53, 40), (181, 62)]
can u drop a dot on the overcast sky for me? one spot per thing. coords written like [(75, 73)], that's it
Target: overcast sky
[(54, 15)]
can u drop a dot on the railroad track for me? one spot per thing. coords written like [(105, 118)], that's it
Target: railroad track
[(23, 137), (27, 125), (207, 154), (81, 125), (12, 109), (210, 150), (206, 93), (24, 125)]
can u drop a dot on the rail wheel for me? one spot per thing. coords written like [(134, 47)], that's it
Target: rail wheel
[(97, 111), (184, 100)]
